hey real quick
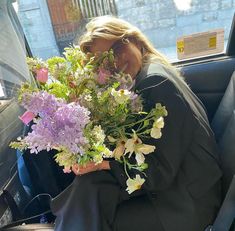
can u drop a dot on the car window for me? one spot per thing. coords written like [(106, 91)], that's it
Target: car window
[(51, 26)]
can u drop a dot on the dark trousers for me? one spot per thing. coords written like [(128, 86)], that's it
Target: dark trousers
[(90, 204)]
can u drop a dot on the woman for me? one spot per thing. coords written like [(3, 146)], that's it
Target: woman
[(182, 190)]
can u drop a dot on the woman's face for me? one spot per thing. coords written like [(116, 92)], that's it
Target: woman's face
[(127, 54)]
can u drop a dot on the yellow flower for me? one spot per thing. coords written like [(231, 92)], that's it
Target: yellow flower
[(134, 184), (119, 150)]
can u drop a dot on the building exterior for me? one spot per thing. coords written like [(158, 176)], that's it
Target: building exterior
[(50, 25), (163, 22), (35, 18), (66, 20)]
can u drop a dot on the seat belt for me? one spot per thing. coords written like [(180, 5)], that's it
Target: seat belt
[(226, 214)]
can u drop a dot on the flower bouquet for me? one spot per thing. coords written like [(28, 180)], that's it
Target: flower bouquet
[(87, 111)]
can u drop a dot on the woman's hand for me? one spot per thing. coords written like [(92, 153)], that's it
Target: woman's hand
[(90, 167)]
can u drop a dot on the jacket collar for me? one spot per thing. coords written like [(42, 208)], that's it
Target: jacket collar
[(150, 69)]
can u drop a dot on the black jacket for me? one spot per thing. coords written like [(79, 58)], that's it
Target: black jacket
[(183, 177), (182, 188)]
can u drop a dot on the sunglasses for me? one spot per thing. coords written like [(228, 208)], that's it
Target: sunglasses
[(119, 47)]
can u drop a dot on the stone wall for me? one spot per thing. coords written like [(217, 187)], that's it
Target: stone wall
[(163, 23), (35, 19), (160, 20)]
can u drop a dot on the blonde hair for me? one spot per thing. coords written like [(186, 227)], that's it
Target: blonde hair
[(112, 28)]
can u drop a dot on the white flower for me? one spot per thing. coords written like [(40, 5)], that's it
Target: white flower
[(107, 153), (135, 145), (98, 134), (156, 129), (131, 144), (159, 123), (156, 133), (121, 96), (88, 97), (145, 148), (134, 184), (139, 158)]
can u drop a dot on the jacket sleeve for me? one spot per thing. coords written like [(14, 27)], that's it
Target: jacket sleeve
[(177, 134)]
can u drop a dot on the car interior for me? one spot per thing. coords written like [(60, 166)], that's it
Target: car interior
[(25, 195)]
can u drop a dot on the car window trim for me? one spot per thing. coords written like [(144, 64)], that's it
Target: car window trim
[(231, 45), (12, 70)]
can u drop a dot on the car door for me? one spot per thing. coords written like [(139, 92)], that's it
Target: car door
[(13, 71)]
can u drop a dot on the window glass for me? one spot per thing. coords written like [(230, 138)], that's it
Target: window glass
[(51, 25)]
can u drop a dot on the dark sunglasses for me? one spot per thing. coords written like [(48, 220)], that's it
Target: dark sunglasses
[(119, 46)]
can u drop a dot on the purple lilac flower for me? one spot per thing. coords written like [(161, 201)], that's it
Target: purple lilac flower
[(60, 124), (41, 103), (71, 120), (41, 138)]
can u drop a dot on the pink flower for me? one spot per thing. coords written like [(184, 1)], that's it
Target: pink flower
[(42, 75), (27, 117), (103, 76)]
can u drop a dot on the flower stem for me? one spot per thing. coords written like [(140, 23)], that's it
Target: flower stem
[(125, 167)]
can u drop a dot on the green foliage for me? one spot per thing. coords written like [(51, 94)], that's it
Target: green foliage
[(65, 158), (57, 89), (57, 68), (18, 145), (35, 64), (75, 58), (26, 88)]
